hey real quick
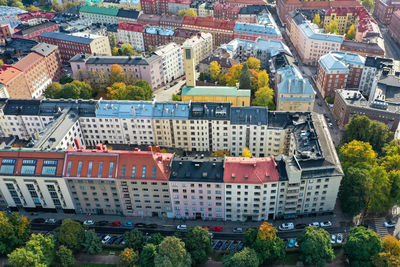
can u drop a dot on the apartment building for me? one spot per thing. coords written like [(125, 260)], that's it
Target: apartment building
[(202, 45), (309, 40), (70, 45), (225, 11), (99, 14), (364, 49), (155, 36), (131, 33), (339, 70), (175, 5), (394, 26), (36, 17), (171, 55), (384, 10), (31, 179), (196, 188), (33, 31), (248, 31), (294, 93), (250, 13), (171, 21), (148, 68), (52, 57), (205, 9)]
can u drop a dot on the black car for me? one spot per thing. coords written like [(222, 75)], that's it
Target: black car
[(102, 223), (152, 225), (59, 222), (300, 226), (38, 220), (140, 225)]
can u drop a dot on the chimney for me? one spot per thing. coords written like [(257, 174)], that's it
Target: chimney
[(77, 143), (158, 149), (150, 148)]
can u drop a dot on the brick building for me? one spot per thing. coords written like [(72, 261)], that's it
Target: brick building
[(5, 34), (52, 57), (253, 31), (362, 48), (384, 9), (33, 18), (171, 21), (250, 13), (394, 27), (32, 32), (70, 45), (149, 20), (156, 7), (155, 36), (175, 5), (225, 11)]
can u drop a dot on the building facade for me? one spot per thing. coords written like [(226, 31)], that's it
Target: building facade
[(202, 45), (384, 10), (99, 14), (394, 25), (171, 55), (155, 36), (32, 32), (131, 33)]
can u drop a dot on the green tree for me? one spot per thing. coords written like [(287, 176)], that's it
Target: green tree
[(155, 239), (394, 179), (351, 33), (147, 256), (127, 50), (53, 90), (65, 257), (244, 258), (361, 245), (198, 244), (113, 43), (355, 152), (368, 4), (76, 90), (172, 252), (128, 257), (264, 97), (317, 20), (263, 79), (148, 93), (245, 77), (65, 79), (379, 201), (315, 246), (332, 27), (215, 70), (71, 234), (176, 97), (14, 231), (134, 239), (253, 63), (38, 251), (92, 242), (250, 236)]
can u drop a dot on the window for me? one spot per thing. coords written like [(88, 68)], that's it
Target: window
[(133, 171), (68, 168), (123, 170), (100, 169), (49, 167), (89, 174), (28, 166), (7, 166), (79, 169), (144, 172), (110, 171), (154, 172)]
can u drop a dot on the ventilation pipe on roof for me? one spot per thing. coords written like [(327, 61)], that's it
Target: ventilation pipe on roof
[(77, 143), (150, 148)]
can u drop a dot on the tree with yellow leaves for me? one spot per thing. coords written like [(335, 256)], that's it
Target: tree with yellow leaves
[(351, 33), (264, 97), (233, 75), (253, 63), (332, 27), (189, 12), (215, 70), (263, 79), (317, 20), (128, 257), (246, 153)]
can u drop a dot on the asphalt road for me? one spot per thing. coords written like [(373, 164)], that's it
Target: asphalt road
[(391, 48), (163, 94)]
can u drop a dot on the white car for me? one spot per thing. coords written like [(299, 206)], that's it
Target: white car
[(333, 239), (88, 222), (50, 221), (181, 227), (314, 224), (325, 224), (330, 125), (339, 238), (286, 226), (106, 239), (389, 224)]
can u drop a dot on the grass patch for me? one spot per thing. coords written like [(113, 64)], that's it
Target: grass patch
[(94, 265)]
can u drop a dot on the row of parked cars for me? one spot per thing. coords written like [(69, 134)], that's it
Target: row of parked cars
[(94, 223), (227, 245), (291, 226), (335, 239), (112, 240)]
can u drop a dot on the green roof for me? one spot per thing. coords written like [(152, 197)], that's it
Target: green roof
[(213, 91), (108, 11)]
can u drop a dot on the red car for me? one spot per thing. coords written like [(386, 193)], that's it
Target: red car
[(217, 229), (115, 224), (207, 227)]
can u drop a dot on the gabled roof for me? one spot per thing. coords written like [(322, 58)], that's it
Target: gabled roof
[(132, 14), (330, 62), (28, 61), (67, 37), (293, 82), (107, 11)]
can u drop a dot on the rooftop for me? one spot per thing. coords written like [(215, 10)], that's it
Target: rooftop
[(25, 30), (22, 107), (107, 11), (8, 74), (210, 111), (252, 9), (292, 82), (30, 60), (131, 13), (163, 110), (209, 22), (249, 115), (124, 109), (163, 31), (83, 39), (44, 49), (197, 169), (256, 29), (133, 27), (214, 91), (109, 60)]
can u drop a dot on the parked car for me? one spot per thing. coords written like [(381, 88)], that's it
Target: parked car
[(119, 240), (300, 226), (128, 224), (326, 224), (102, 223), (389, 224), (101, 236), (232, 246), (207, 227), (333, 239), (217, 229), (286, 226), (218, 245), (339, 238), (151, 225), (112, 239), (140, 225), (237, 230), (314, 224), (296, 245), (50, 221), (88, 222), (182, 227), (330, 125), (38, 220), (240, 246), (211, 235), (115, 224), (225, 245), (105, 239), (59, 222), (291, 243)]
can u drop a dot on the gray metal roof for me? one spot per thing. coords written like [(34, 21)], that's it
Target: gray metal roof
[(67, 37)]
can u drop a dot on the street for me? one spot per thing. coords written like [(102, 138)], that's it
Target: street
[(163, 94), (391, 48)]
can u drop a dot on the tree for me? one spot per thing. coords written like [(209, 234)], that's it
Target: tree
[(215, 70), (253, 63), (220, 153), (263, 79), (391, 245), (172, 252), (148, 93), (390, 257), (351, 33), (317, 20), (250, 237), (188, 12), (394, 179), (65, 79), (14, 231), (155, 239), (53, 90), (92, 242), (134, 239), (264, 97), (176, 97), (32, 8), (361, 245), (332, 27), (355, 152), (198, 244), (128, 257), (246, 153), (116, 74), (115, 51), (71, 234), (127, 50), (315, 246), (65, 257), (244, 258), (38, 251), (379, 200), (117, 91), (245, 77), (368, 4), (147, 256), (1, 62), (233, 75)]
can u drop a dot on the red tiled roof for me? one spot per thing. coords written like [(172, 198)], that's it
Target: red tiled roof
[(187, 2), (8, 74), (250, 170), (219, 6), (247, 2), (28, 61), (209, 22), (41, 14), (133, 27)]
